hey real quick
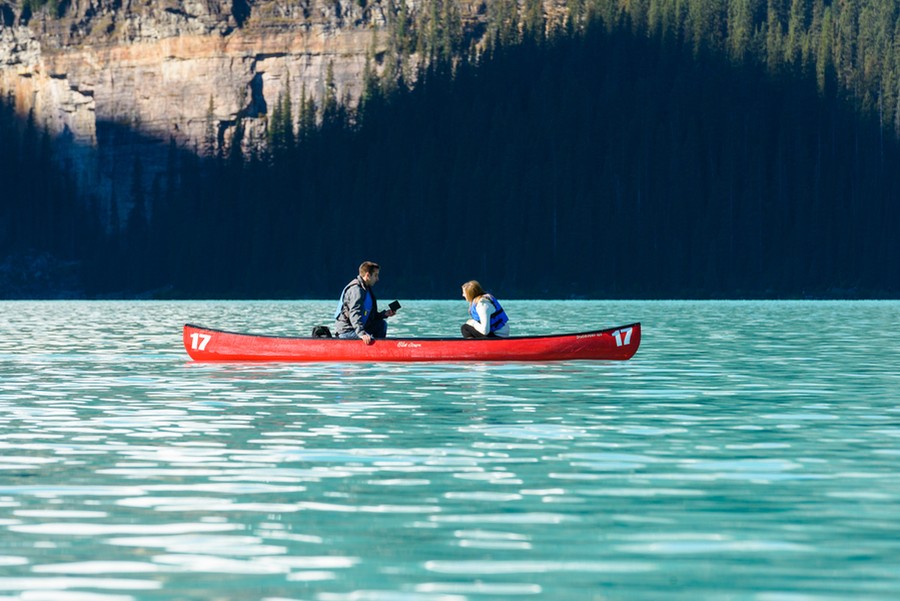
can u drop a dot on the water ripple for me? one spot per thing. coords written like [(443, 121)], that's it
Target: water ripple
[(748, 451)]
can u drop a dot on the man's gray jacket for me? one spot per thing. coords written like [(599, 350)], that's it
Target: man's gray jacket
[(353, 314)]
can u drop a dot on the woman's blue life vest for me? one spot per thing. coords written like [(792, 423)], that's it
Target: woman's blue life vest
[(498, 317), (367, 301)]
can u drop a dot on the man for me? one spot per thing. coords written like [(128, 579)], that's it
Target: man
[(357, 316)]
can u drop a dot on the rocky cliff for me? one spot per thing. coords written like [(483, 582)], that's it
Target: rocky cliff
[(113, 77)]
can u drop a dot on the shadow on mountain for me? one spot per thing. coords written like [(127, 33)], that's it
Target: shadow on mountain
[(72, 214), (599, 166)]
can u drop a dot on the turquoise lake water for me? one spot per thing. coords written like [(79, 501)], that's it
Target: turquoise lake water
[(748, 451)]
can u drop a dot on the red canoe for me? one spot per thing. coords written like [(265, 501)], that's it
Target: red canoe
[(615, 344)]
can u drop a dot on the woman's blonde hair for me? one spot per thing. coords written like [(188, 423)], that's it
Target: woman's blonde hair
[(472, 289)]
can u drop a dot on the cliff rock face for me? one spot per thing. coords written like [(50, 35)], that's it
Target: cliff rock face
[(113, 76)]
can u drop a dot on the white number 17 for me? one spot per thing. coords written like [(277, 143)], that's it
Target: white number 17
[(199, 341), (623, 337)]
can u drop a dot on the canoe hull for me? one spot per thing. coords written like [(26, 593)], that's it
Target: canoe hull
[(613, 344)]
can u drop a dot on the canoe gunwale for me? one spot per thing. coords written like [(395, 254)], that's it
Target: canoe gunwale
[(419, 338)]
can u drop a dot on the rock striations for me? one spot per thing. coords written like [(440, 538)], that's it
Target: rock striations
[(110, 76)]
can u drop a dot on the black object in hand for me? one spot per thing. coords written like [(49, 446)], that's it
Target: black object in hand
[(394, 306)]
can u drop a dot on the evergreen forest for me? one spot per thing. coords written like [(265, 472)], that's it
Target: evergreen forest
[(647, 149)]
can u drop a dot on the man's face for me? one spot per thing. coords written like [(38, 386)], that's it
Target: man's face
[(371, 278)]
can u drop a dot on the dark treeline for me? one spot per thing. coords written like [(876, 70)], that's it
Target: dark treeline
[(596, 162), (49, 233), (602, 164)]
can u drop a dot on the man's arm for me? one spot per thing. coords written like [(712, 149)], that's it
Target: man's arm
[(354, 300)]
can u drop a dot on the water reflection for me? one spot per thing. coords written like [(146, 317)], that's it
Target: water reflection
[(748, 449)]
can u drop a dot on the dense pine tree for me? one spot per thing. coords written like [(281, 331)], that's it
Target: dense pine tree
[(657, 148)]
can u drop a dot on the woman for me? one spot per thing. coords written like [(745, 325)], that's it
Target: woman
[(489, 320)]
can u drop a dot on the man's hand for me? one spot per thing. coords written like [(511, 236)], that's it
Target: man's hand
[(368, 338)]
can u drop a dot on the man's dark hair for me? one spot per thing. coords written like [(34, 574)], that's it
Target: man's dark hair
[(368, 267)]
